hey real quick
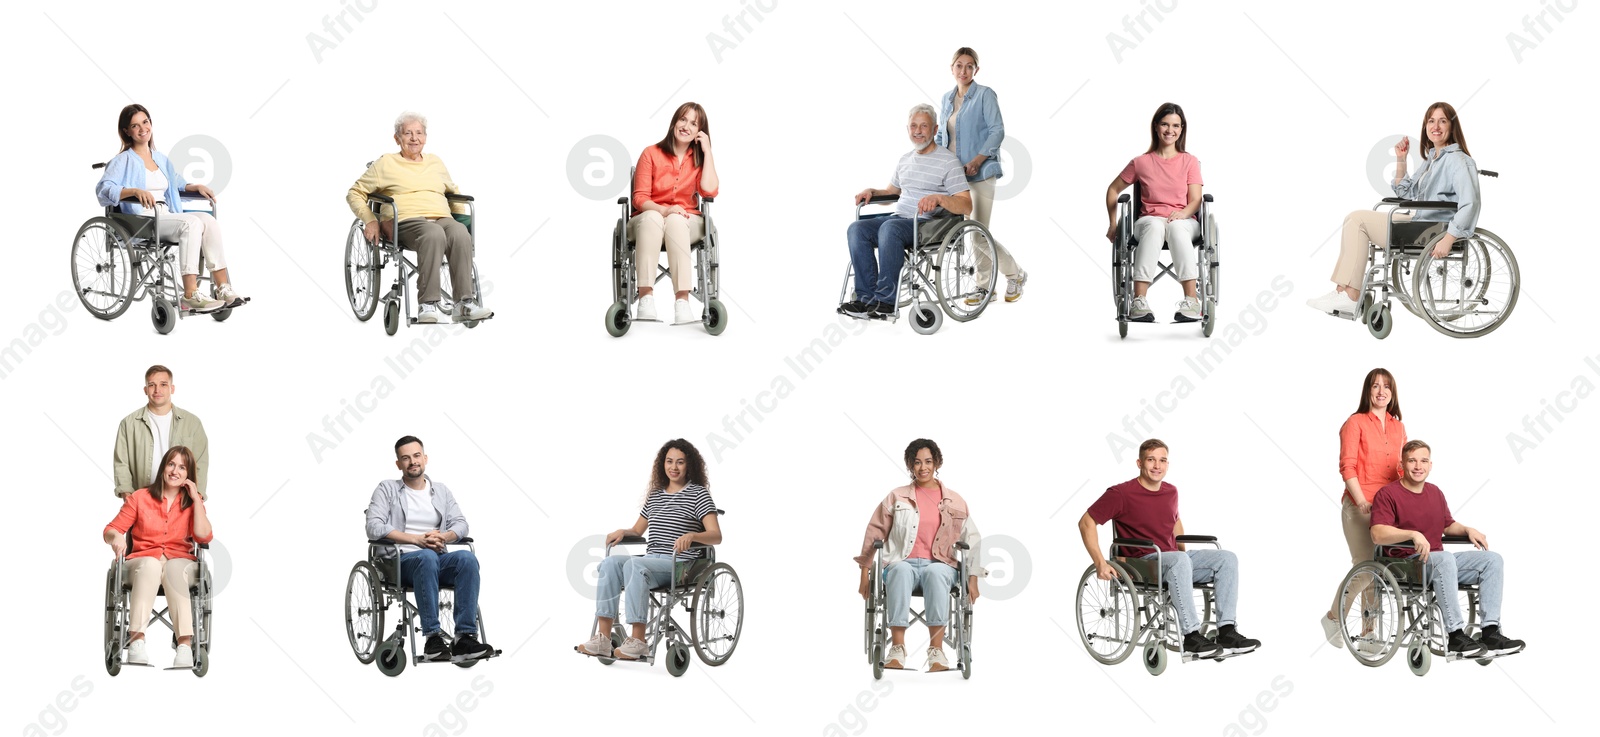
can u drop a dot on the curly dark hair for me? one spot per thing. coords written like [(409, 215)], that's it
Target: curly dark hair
[(917, 445), (696, 465)]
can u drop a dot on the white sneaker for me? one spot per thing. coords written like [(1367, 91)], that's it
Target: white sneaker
[(682, 312), (645, 309), (137, 654), (1014, 285), (895, 658), (936, 660), (599, 645), (1332, 630), (227, 294), (1188, 310), (428, 314), (1141, 310), (1371, 646), (1333, 302), (632, 648), (184, 658), (469, 310)]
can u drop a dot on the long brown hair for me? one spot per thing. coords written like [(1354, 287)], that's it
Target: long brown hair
[(158, 487), (1366, 393), (1456, 136), (1168, 108), (125, 118), (705, 127), (694, 466)]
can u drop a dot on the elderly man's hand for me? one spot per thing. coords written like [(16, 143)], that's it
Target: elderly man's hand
[(864, 196), (928, 204), (371, 232)]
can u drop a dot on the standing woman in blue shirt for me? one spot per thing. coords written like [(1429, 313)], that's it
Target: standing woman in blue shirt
[(1448, 174), (971, 127)]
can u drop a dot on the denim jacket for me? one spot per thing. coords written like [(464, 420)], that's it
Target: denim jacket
[(127, 170), (387, 511), (1450, 176), (895, 522), (979, 129)]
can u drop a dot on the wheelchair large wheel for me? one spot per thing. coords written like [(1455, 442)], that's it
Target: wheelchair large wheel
[(363, 611), (361, 267), (1472, 292), (1370, 613), (114, 633), (1108, 620), (102, 268), (718, 616), (968, 245)]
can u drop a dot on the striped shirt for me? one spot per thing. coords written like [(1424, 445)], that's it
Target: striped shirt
[(919, 175), (671, 516)]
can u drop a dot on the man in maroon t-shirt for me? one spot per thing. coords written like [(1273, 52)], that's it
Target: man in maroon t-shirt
[(1411, 510), (1146, 508)]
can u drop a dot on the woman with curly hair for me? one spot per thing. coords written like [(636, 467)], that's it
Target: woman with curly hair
[(678, 513)]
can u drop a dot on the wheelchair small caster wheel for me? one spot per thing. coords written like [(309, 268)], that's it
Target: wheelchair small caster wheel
[(677, 659), (1362, 307), (1209, 322), (1485, 661), (1155, 658), (1378, 321), (617, 319), (1122, 328), (221, 315), (1419, 659), (163, 315), (926, 318), (877, 662), (114, 664), (716, 317), (391, 658), (966, 662), (202, 661), (391, 317)]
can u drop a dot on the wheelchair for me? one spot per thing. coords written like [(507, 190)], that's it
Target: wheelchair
[(1387, 604), (1206, 248), (1136, 609), (940, 272), (117, 260), (119, 613), (373, 587), (364, 263), (711, 596), (958, 632), (1466, 294), (625, 279)]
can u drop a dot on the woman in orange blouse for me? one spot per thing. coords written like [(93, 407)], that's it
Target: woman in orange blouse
[(164, 518), (667, 184), (1369, 457)]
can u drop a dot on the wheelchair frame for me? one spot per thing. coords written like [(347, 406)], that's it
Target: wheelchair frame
[(625, 279), (1128, 601), (119, 614), (922, 272), (368, 579), (661, 625), (1207, 246), (958, 632), (146, 268), (364, 263), (1418, 620)]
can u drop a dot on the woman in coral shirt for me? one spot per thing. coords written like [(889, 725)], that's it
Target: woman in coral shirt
[(667, 183), (164, 518), (1369, 457)]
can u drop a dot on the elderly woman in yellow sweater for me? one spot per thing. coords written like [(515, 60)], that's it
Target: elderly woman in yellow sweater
[(418, 184)]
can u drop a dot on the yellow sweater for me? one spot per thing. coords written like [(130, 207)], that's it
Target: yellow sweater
[(418, 188)]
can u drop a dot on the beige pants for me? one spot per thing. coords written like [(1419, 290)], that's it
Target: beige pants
[(982, 208), (437, 241), (649, 230), (175, 575), (1358, 536), (1360, 228), (196, 234)]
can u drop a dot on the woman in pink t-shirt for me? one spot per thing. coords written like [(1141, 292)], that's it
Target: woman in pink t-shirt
[(1169, 194)]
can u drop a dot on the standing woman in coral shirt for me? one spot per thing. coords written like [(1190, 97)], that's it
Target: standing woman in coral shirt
[(666, 209), (164, 518), (1369, 457)]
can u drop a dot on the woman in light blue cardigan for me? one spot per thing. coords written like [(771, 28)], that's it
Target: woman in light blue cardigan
[(971, 127), (141, 181)]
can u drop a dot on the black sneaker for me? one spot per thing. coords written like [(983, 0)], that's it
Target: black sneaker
[(882, 310), (1495, 643), (1197, 644), (1461, 644), (436, 649), (467, 647), (854, 308), (1234, 643)]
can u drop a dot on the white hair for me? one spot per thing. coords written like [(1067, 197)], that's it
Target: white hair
[(918, 109), (408, 116)]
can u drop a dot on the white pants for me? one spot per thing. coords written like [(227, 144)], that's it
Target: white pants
[(982, 208), (195, 233), (175, 575), (1152, 231), (649, 230)]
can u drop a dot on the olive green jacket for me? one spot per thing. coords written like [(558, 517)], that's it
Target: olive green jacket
[(131, 465)]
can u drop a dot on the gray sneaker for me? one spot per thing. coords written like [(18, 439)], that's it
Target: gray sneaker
[(1188, 310), (1141, 311), (1014, 286), (632, 648), (428, 314), (599, 646)]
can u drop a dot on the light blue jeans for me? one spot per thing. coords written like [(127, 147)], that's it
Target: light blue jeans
[(635, 574), (900, 579), (1182, 570), (1447, 571)]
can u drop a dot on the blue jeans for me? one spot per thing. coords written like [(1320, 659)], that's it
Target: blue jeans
[(1182, 570), (425, 571), (900, 579), (635, 574), (877, 279), (1447, 571)]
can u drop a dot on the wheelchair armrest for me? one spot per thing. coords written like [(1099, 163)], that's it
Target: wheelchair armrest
[(203, 546), (1123, 199), (1131, 542), (962, 546), (707, 200), (631, 540), (1457, 540), (384, 542), (883, 198), (1419, 204), (458, 197), (877, 545), (385, 199), (623, 200), (1489, 174), (1207, 198), (98, 165), (1197, 538)]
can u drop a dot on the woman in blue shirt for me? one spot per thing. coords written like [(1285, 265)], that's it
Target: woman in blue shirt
[(141, 181), (1448, 174), (971, 127)]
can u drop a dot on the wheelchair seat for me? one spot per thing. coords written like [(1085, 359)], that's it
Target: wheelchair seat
[(1138, 206), (686, 574)]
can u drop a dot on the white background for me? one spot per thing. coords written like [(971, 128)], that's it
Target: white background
[(544, 426)]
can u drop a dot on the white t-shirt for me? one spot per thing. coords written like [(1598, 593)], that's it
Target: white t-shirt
[(420, 515), (161, 437), (156, 184)]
